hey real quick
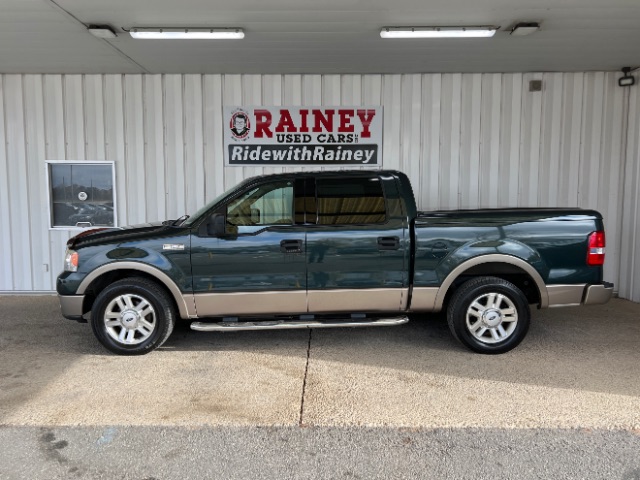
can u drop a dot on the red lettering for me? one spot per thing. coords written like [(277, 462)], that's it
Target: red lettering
[(320, 118), (366, 116), (286, 122), (263, 122), (303, 114), (345, 121)]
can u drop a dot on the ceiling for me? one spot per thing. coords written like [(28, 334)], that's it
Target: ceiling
[(317, 36)]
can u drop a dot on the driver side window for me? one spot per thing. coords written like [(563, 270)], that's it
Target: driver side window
[(269, 204)]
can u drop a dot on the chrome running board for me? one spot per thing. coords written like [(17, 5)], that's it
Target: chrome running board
[(293, 324)]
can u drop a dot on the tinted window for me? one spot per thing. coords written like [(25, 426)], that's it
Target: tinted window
[(268, 204), (349, 201)]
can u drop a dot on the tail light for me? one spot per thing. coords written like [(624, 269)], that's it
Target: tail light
[(595, 253)]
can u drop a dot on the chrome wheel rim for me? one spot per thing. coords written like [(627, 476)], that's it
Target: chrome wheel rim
[(492, 318), (130, 319)]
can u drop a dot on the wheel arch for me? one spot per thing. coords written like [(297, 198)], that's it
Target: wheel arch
[(102, 276), (490, 265)]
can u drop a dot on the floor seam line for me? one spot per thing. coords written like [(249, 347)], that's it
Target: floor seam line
[(304, 382)]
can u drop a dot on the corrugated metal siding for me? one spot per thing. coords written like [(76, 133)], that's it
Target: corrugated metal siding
[(466, 140), (630, 214)]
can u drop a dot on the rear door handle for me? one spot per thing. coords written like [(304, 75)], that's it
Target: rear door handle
[(388, 243), (291, 246)]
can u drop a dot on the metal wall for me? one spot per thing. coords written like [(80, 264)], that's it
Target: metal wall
[(629, 215), (465, 140)]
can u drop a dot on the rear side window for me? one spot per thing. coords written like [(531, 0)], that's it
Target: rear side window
[(350, 201)]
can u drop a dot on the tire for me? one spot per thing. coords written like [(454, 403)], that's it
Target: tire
[(132, 316), (489, 315)]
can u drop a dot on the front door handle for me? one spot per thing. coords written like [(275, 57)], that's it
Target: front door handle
[(291, 246), (388, 243)]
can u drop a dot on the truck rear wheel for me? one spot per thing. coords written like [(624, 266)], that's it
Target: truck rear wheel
[(489, 315), (132, 316)]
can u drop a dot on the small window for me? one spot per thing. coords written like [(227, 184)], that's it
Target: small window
[(269, 204), (81, 194), (350, 201)]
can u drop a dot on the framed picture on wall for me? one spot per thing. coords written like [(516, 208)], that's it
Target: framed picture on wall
[(81, 194)]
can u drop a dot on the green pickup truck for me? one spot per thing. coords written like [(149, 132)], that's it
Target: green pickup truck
[(332, 249)]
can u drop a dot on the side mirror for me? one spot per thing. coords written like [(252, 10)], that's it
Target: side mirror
[(214, 226), (255, 216)]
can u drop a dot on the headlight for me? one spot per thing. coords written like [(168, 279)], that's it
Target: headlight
[(71, 261)]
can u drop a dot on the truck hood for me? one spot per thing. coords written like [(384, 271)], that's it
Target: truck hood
[(128, 233)]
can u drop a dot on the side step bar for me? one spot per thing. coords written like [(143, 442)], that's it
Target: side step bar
[(293, 324)]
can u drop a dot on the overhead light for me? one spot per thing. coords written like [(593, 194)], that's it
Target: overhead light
[(187, 33), (525, 28), (438, 32), (627, 80), (102, 31)]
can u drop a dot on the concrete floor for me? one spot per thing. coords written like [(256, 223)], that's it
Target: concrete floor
[(578, 368)]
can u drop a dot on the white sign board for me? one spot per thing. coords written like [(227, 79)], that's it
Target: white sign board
[(291, 136)]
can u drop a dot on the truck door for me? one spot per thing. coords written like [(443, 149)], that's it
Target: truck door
[(357, 252), (258, 265)]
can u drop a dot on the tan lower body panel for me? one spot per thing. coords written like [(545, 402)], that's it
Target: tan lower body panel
[(565, 295), (298, 301), (423, 299), (358, 300), (250, 303)]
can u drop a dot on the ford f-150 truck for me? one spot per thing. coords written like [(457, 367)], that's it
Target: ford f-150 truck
[(332, 249)]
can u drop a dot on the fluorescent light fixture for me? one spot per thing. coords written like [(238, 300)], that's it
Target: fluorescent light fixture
[(525, 28), (438, 32), (187, 33), (102, 31)]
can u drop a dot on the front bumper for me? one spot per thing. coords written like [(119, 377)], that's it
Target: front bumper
[(598, 294), (71, 306)]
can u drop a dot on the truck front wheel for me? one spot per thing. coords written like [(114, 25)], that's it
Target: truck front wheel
[(132, 316), (489, 315)]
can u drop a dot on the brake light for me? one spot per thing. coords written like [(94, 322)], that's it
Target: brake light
[(595, 252)]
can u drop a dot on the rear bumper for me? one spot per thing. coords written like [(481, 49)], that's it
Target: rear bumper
[(581, 294), (71, 306), (598, 294)]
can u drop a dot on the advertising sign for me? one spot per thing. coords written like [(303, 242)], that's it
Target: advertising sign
[(290, 136)]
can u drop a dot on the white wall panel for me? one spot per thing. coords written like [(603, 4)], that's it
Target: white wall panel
[(37, 188), (18, 188), (213, 128), (134, 137), (6, 264), (154, 162), (466, 141), (54, 130), (630, 238)]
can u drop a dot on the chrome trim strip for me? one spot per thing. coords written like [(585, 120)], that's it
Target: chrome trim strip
[(185, 302), (71, 305), (598, 294), (423, 299), (289, 325), (251, 303), (492, 258), (565, 295), (356, 300)]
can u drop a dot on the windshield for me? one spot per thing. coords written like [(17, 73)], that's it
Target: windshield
[(201, 211)]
